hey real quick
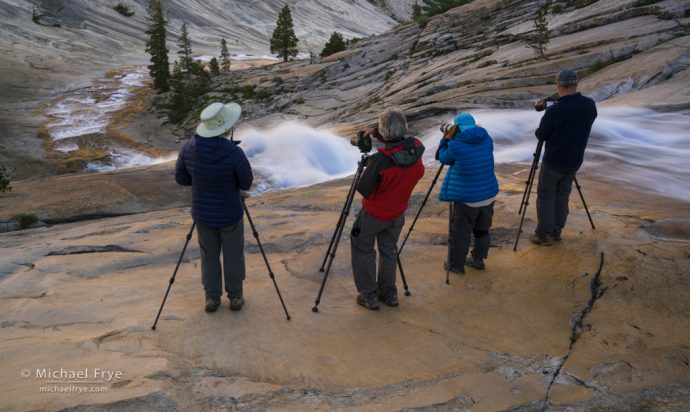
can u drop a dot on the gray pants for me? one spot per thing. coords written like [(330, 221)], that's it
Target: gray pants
[(466, 221), (552, 198), (231, 240), (366, 231)]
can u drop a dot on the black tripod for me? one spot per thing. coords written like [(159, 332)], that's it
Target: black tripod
[(184, 249), (172, 279), (335, 240), (528, 191), (268, 266)]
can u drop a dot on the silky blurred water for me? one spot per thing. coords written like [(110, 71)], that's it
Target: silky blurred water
[(640, 148)]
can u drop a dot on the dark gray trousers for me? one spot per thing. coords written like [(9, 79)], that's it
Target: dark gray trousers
[(231, 241), (466, 221), (553, 192), (366, 231)]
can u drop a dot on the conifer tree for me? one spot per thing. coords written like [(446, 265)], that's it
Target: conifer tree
[(416, 11), (159, 69), (540, 38), (214, 66), (185, 49), (434, 7), (284, 41), (224, 56), (334, 45), (4, 180)]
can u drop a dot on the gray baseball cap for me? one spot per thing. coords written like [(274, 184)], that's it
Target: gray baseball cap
[(567, 75)]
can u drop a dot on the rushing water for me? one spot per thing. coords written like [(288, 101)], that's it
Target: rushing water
[(644, 149)]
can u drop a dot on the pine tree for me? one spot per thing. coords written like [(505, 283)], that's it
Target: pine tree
[(185, 49), (334, 45), (434, 7), (224, 56), (540, 38), (4, 180), (214, 66), (416, 11), (159, 69), (283, 40)]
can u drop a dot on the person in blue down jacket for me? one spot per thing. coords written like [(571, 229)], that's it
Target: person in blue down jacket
[(470, 183), (217, 169)]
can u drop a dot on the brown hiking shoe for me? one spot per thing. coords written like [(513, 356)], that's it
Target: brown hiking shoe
[(236, 304), (368, 302), (541, 240), (212, 305)]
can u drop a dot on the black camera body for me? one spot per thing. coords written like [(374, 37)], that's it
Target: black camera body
[(545, 102), (363, 138)]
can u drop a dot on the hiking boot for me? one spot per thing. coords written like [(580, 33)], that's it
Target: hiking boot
[(457, 271), (368, 302), (556, 236), (390, 298), (212, 304), (236, 303), (541, 240), (476, 263)]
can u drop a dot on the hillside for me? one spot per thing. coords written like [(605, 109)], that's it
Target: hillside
[(74, 42)]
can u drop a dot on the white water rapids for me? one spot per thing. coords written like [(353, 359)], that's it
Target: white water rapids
[(641, 148)]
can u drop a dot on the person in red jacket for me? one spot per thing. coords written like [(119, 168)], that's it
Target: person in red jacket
[(386, 185)]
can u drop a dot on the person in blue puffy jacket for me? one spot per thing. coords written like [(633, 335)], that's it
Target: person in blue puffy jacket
[(470, 183), (217, 169)]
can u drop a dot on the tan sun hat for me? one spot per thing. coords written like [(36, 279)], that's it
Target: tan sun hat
[(218, 118)]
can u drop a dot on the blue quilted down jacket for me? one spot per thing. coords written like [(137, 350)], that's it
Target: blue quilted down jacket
[(471, 177), (217, 170)]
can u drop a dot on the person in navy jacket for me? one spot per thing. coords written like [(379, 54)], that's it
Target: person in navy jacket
[(470, 183), (565, 129), (385, 185), (217, 169)]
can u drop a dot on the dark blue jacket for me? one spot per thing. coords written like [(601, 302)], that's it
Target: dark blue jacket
[(217, 170), (470, 177), (565, 128)]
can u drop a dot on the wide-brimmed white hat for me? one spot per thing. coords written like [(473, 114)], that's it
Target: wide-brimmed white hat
[(218, 118)]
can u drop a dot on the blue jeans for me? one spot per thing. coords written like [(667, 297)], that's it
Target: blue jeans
[(552, 198)]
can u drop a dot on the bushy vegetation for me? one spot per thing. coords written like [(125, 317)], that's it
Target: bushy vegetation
[(283, 40), (25, 220), (334, 45), (434, 7), (540, 38), (4, 180), (214, 67), (190, 81), (159, 69), (124, 10), (639, 3)]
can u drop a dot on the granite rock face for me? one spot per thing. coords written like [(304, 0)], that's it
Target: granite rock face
[(597, 321)]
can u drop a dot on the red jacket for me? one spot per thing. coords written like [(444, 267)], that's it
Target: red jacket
[(389, 178)]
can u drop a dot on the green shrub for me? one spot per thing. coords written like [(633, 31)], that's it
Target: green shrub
[(25, 220), (124, 10), (4, 180), (277, 80), (686, 13), (598, 65), (299, 101), (639, 3), (262, 95), (248, 91)]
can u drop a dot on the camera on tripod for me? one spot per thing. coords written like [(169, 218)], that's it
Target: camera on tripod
[(545, 102), (363, 138)]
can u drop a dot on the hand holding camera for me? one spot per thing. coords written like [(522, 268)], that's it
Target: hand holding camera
[(363, 138), (545, 102), (449, 131)]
